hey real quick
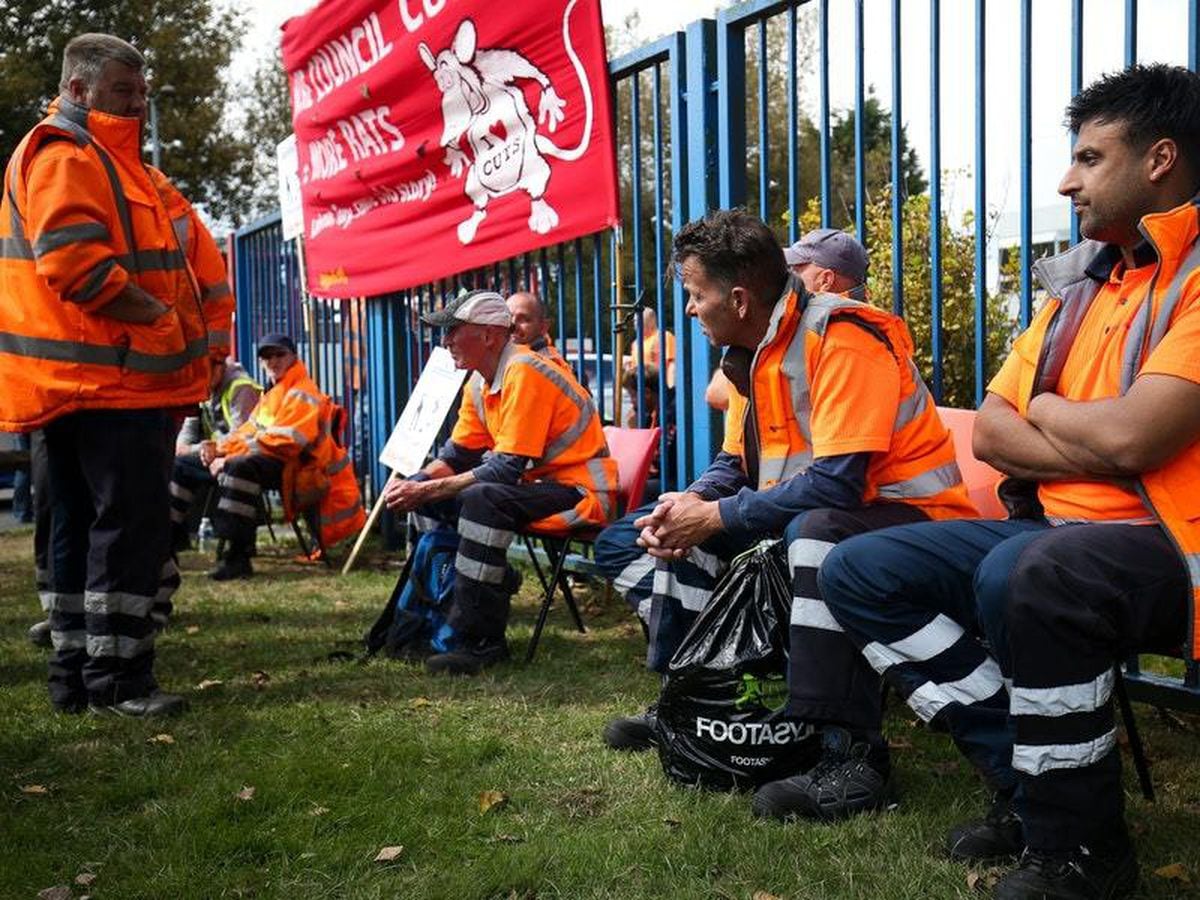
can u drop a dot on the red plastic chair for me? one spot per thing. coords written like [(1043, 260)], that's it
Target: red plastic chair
[(633, 449), (980, 478)]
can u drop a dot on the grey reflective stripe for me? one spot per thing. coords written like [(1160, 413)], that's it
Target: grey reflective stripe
[(1034, 759), (1063, 700), (119, 646), (95, 281), (97, 355), (304, 396), (153, 260), (633, 573), (1138, 345), (221, 339), (666, 584), (237, 508), (82, 137), (931, 698), (53, 601), (245, 485), (347, 512), (912, 406), (935, 637), (15, 247), (808, 612), (478, 571), (56, 239), (183, 226), (337, 465), (781, 468), (220, 289), (486, 535), (108, 603), (808, 553), (476, 389), (927, 484), (178, 490), (1193, 564), (292, 433), (74, 639), (587, 411), (423, 524)]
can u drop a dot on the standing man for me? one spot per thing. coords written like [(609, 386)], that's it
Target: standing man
[(548, 469), (114, 297), (1098, 408), (831, 433), (232, 396)]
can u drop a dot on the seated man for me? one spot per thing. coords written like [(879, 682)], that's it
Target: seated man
[(531, 325), (831, 433), (232, 396), (286, 443), (547, 469), (1006, 632)]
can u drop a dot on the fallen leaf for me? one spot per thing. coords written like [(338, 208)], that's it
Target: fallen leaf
[(339, 605), (160, 739), (58, 892), (318, 811), (246, 793), (506, 839), (419, 702), (1174, 872), (489, 800), (763, 895), (34, 789), (899, 743), (208, 683), (307, 855), (260, 680), (972, 880), (389, 854), (85, 878), (192, 629)]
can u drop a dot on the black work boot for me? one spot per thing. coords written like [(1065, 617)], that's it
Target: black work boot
[(850, 777), (634, 733), (1079, 874), (472, 658), (236, 564), (997, 836), (39, 634), (153, 704)]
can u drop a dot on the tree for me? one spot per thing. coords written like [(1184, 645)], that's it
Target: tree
[(958, 295), (187, 44), (266, 121)]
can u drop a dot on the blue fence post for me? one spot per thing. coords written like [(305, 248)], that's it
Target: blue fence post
[(730, 148), (680, 185)]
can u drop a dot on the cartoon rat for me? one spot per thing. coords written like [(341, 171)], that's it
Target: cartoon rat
[(482, 102)]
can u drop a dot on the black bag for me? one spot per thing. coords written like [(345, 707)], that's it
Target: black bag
[(721, 721)]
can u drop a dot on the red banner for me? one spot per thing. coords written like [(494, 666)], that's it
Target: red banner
[(436, 136)]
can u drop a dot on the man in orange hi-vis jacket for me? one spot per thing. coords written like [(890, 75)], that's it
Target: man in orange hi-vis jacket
[(548, 469), (112, 301)]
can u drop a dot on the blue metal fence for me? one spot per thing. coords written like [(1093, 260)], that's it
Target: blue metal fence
[(686, 144)]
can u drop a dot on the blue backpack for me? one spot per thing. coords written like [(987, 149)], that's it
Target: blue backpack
[(415, 614)]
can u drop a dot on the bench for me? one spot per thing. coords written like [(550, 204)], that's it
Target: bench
[(1179, 692)]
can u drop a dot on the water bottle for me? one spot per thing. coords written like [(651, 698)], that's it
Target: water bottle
[(205, 532)]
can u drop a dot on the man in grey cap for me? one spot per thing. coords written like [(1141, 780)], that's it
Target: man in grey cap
[(547, 469), (829, 261)]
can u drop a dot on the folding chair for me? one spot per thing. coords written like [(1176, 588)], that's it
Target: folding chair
[(633, 449)]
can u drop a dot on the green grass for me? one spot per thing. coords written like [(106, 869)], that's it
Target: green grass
[(346, 759)]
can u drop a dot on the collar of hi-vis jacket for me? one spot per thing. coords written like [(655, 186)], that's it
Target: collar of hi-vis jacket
[(121, 136), (1074, 278)]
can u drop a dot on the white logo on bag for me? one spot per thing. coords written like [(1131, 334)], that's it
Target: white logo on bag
[(754, 733), (483, 103)]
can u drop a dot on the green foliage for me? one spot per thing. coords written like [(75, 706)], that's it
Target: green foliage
[(958, 291), (268, 120), (187, 44)]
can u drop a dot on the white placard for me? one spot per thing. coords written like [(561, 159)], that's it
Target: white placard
[(423, 415), (290, 208)]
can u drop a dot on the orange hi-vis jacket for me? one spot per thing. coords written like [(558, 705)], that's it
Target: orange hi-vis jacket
[(1171, 493), (82, 217), (917, 466), (535, 408), (293, 423)]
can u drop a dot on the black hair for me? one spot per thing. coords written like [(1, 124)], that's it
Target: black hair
[(1151, 102), (736, 249)]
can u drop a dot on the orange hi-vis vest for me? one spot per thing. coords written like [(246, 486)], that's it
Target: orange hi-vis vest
[(293, 423), (82, 217), (535, 408), (918, 467), (1073, 278)]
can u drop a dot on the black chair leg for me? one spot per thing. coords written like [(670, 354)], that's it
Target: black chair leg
[(1135, 739), (556, 576), (557, 552)]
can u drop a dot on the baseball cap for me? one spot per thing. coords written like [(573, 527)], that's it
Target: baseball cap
[(830, 248), (276, 341), (476, 307)]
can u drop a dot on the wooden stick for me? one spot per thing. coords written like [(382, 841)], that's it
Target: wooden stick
[(366, 529)]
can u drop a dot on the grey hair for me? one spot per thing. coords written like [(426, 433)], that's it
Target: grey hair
[(85, 55)]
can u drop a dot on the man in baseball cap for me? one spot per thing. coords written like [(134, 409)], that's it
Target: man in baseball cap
[(829, 261), (547, 469)]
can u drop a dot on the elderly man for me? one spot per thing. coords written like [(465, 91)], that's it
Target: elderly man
[(113, 298), (547, 469), (286, 443), (1006, 633), (232, 397), (866, 451)]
